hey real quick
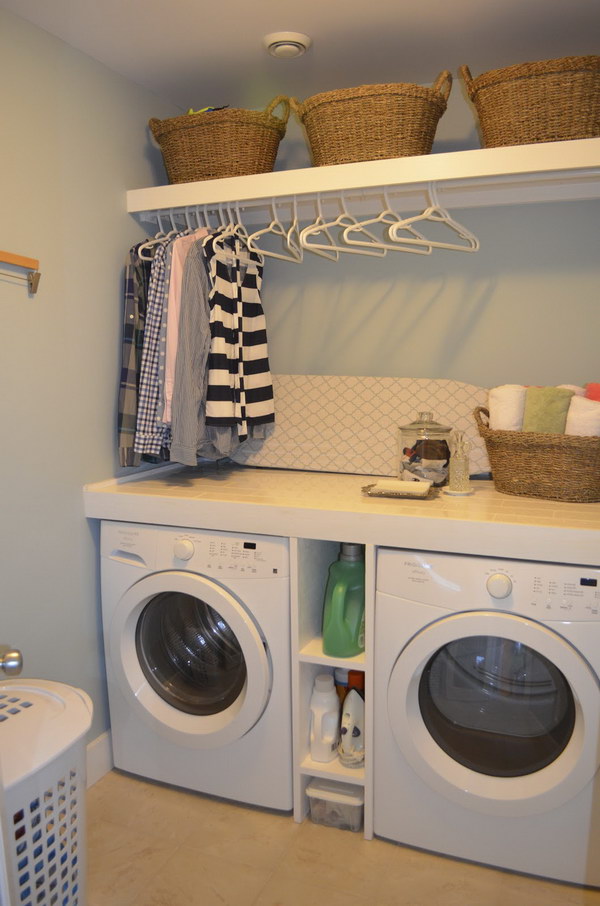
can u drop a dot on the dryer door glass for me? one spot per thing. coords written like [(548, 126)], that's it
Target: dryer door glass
[(496, 706), (189, 654)]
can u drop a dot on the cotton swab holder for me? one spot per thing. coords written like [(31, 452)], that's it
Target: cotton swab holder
[(458, 468)]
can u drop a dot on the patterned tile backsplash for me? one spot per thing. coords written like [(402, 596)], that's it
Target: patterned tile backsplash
[(348, 424)]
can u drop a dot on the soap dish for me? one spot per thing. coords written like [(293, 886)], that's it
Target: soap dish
[(417, 490)]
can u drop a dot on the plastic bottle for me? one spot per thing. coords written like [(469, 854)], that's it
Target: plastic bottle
[(356, 680), (324, 719), (341, 682), (344, 606)]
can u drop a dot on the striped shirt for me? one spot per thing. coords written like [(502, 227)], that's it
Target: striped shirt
[(239, 390)]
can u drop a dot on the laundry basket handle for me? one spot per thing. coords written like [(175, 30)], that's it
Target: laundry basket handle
[(465, 74), (478, 412), (443, 84), (285, 103)]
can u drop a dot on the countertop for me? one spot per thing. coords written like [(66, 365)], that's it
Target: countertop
[(331, 506)]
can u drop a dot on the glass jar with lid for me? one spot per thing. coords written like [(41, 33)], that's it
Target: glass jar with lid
[(423, 450)]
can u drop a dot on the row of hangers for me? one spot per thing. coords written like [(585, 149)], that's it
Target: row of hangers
[(375, 236)]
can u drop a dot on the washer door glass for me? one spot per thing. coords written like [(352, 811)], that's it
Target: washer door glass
[(496, 706), (189, 654)]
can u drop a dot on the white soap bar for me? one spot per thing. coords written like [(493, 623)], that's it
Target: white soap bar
[(396, 486)]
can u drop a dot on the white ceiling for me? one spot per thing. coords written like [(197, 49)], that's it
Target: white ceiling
[(200, 52)]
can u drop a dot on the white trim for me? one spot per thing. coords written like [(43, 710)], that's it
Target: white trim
[(99, 758)]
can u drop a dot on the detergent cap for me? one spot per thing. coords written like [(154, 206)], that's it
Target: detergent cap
[(323, 682), (351, 552)]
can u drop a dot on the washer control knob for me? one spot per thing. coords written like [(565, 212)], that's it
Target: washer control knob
[(183, 549), (499, 585)]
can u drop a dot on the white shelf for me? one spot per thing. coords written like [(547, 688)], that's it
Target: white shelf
[(553, 171), (332, 770), (312, 653)]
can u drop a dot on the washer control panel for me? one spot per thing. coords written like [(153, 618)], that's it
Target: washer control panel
[(217, 554), (457, 582)]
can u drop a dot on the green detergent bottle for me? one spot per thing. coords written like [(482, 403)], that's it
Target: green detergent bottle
[(344, 607)]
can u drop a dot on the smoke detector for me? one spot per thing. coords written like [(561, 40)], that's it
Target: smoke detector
[(287, 45)]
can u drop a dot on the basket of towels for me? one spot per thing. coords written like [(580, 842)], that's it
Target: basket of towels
[(543, 441)]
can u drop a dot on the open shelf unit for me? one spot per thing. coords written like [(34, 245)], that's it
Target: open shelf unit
[(553, 171), (310, 561)]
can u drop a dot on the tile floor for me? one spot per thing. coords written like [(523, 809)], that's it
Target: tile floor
[(150, 845)]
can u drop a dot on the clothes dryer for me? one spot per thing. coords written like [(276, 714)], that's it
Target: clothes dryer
[(487, 711), (196, 632)]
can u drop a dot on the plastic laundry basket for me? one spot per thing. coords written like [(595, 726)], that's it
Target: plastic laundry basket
[(42, 763)]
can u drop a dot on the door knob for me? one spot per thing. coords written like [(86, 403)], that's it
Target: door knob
[(11, 660)]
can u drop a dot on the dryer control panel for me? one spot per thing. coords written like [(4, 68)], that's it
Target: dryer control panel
[(218, 554), (457, 582)]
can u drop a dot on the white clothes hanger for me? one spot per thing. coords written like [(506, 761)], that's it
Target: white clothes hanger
[(275, 228), (388, 218), (343, 220), (232, 226), (435, 214), (158, 237), (293, 234), (319, 226)]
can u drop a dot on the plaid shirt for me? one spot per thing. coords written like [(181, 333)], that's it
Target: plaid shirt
[(151, 435), (135, 293)]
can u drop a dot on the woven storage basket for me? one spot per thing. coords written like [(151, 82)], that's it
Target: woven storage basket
[(547, 101), (373, 122), (553, 466), (221, 143)]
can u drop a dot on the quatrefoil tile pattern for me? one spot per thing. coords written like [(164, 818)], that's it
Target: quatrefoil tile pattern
[(349, 424)]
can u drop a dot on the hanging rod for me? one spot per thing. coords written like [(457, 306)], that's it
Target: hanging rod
[(30, 264)]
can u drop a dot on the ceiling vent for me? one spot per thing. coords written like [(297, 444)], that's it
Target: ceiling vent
[(287, 45)]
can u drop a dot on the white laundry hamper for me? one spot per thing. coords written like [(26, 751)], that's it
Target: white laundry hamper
[(43, 774)]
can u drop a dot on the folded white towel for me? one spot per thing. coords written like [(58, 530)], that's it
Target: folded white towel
[(583, 417), (578, 391), (507, 404)]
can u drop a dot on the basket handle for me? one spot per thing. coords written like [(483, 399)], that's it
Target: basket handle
[(296, 107), (465, 74), (443, 84), (478, 412), (285, 102), (155, 126)]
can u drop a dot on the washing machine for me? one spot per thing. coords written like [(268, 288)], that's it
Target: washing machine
[(487, 711), (197, 642)]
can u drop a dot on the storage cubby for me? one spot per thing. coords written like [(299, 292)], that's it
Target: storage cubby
[(310, 561)]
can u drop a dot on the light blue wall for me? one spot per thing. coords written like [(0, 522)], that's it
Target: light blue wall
[(74, 138), (523, 309)]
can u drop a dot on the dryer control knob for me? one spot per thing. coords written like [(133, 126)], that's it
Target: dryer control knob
[(183, 549), (499, 585)]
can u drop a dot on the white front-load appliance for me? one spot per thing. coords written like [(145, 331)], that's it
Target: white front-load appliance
[(197, 643), (487, 711)]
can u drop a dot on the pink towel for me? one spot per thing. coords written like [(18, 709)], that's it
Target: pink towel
[(592, 391)]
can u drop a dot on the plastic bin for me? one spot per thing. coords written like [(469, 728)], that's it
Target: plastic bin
[(336, 804), (42, 730)]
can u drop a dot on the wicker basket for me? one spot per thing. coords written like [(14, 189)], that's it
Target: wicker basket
[(221, 143), (373, 122), (553, 466), (547, 101)]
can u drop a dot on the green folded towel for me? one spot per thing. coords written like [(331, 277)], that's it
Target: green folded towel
[(546, 409)]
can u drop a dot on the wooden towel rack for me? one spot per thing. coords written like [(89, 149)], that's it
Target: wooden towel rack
[(30, 264)]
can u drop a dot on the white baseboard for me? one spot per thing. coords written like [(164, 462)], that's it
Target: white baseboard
[(99, 758)]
